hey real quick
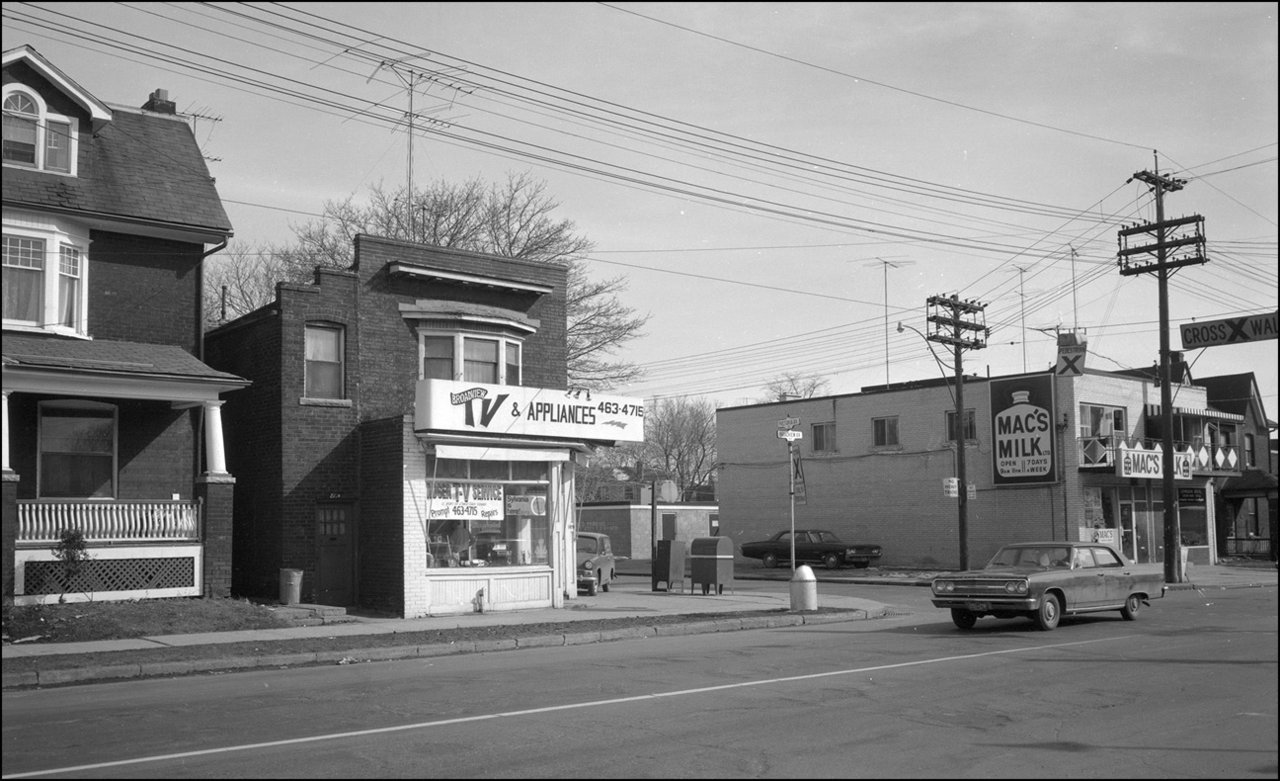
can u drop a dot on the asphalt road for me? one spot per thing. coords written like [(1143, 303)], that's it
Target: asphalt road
[(1188, 690)]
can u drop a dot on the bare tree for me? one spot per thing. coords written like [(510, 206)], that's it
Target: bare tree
[(514, 220), (680, 443), (794, 386)]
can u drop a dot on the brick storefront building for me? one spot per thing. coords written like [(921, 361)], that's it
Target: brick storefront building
[(409, 442)]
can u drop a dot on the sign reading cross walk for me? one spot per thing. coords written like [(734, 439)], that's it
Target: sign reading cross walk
[(1232, 330)]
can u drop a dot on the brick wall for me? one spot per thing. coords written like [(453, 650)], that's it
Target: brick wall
[(144, 290)]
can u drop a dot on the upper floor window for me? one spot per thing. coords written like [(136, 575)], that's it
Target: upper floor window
[(44, 281), (1250, 460), (970, 426), (824, 437), (35, 138), (324, 362), (77, 450), (884, 431), (490, 359), (1097, 420)]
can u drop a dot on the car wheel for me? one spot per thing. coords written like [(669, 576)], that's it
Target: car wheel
[(1131, 607), (592, 589), (770, 560), (964, 619), (606, 583), (831, 560), (1049, 614)]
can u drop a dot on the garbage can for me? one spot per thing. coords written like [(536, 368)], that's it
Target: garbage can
[(668, 564), (711, 562), (804, 589), (290, 586)]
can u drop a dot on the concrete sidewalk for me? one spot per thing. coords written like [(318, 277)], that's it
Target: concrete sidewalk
[(630, 596)]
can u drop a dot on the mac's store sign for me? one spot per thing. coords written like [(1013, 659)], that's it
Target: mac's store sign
[(1023, 433)]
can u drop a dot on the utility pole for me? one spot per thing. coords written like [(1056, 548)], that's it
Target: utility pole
[(1186, 236), (962, 325)]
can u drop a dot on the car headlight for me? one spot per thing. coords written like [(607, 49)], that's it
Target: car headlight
[(586, 565), (1016, 587), (943, 586)]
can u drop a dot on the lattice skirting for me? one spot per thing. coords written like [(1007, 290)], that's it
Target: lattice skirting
[(136, 572)]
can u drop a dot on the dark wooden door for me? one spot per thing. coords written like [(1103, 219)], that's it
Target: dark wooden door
[(335, 534)]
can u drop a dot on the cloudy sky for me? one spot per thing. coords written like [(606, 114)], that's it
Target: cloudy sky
[(779, 184)]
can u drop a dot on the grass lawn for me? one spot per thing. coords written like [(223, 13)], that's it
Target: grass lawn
[(81, 621)]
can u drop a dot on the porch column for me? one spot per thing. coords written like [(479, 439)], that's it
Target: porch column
[(215, 453), (4, 433)]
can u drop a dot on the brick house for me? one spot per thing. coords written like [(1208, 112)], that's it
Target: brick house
[(875, 465), (112, 421), (409, 443)]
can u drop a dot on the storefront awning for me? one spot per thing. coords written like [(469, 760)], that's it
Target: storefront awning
[(1153, 411), (468, 453)]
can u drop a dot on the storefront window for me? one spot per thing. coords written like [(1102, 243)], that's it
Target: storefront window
[(488, 514)]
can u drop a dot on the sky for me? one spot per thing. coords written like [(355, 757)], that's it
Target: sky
[(778, 185)]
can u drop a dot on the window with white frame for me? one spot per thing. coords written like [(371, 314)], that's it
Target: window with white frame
[(493, 359), (1101, 421), (44, 280), (824, 437), (34, 137), (884, 431), (77, 450), (1250, 459), (324, 361)]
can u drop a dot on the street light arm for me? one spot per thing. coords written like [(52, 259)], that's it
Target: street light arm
[(942, 367)]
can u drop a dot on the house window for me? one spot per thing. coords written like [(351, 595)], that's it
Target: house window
[(34, 138), (1249, 459), (494, 360), (970, 426), (77, 450), (884, 431), (824, 437), (43, 290), (324, 362), (1100, 421)]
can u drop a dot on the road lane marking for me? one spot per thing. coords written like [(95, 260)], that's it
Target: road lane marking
[(547, 709)]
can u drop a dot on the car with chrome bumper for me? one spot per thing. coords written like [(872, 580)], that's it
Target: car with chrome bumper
[(596, 562), (1045, 581)]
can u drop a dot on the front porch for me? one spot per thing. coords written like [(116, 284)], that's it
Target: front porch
[(135, 550)]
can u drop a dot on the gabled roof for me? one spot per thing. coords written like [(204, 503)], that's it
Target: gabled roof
[(144, 173), (1232, 392), (98, 111)]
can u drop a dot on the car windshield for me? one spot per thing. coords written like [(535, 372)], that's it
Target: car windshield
[(587, 545), (1031, 557)]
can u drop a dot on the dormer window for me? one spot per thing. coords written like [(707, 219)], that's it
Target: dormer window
[(35, 138)]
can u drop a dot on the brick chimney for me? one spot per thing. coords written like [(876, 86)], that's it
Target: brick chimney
[(159, 102)]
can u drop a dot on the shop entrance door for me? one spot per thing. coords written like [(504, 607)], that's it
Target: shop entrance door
[(335, 535)]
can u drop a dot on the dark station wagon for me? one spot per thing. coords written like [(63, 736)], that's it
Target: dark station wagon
[(817, 545)]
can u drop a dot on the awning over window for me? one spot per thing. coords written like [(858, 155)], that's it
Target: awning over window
[(1153, 411), (468, 453)]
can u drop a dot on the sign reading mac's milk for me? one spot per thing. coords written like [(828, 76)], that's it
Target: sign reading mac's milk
[(1022, 431)]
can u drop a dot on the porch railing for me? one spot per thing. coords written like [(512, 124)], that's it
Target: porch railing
[(42, 522), (1101, 452)]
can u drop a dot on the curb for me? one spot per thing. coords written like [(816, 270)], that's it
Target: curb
[(112, 673)]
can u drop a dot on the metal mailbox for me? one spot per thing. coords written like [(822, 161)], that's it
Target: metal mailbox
[(711, 562), (668, 564)]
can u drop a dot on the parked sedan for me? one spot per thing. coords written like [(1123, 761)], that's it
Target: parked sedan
[(1046, 580), (815, 545), (596, 562)]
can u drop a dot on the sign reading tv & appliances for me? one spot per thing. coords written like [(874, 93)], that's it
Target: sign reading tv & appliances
[(476, 408), (1022, 430)]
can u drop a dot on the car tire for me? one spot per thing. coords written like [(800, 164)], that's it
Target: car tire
[(592, 590), (965, 619), (1131, 607), (770, 560), (605, 586), (1049, 614), (831, 560)]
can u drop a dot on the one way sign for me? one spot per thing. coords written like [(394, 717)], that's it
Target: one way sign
[(1233, 330)]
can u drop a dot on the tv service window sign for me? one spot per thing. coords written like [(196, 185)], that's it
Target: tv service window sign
[(476, 408), (1022, 430)]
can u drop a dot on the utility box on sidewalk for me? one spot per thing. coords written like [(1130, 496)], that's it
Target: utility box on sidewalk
[(711, 562), (290, 586), (668, 564)]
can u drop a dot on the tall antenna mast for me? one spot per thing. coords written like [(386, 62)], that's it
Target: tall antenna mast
[(1075, 308)]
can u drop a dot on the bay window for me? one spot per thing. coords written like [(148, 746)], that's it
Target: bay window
[(493, 359), (44, 280)]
